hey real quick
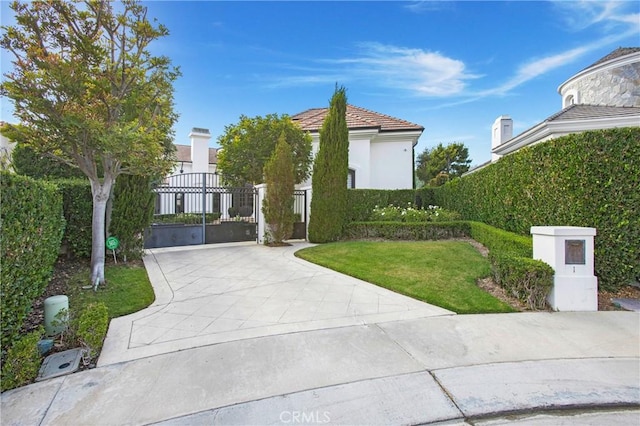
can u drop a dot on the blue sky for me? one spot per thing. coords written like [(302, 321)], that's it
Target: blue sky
[(452, 67)]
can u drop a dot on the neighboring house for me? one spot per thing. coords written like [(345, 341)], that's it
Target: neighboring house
[(604, 95), (197, 157), (6, 148), (180, 191), (380, 146)]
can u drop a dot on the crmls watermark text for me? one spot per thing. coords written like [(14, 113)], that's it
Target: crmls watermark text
[(308, 417)]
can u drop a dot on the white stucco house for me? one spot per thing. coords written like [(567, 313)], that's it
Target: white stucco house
[(6, 149), (380, 157), (179, 191), (380, 146), (196, 157), (604, 95)]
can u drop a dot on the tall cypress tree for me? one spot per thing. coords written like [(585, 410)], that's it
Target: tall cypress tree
[(330, 170), (277, 207)]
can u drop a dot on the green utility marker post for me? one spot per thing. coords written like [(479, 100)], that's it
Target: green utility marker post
[(112, 244)]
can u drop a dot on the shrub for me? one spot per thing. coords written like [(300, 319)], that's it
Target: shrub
[(22, 362), (588, 179), (32, 227), (186, 218), (512, 267), (501, 241), (233, 211), (361, 202), (92, 327), (410, 214), (527, 279), (27, 162), (133, 206), (406, 230)]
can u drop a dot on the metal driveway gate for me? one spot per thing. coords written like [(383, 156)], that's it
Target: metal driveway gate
[(193, 208)]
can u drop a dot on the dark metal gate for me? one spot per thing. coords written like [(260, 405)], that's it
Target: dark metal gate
[(194, 208), (300, 212)]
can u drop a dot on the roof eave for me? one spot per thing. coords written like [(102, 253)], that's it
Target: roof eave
[(547, 128)]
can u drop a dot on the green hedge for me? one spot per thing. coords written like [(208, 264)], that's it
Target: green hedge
[(406, 230), (527, 279), (512, 267), (361, 202), (186, 218), (133, 206), (78, 212), (32, 227), (589, 179), (499, 240), (22, 361)]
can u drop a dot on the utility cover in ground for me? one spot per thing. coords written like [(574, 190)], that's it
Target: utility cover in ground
[(59, 364)]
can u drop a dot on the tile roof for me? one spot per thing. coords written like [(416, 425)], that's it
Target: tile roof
[(620, 51), (357, 118), (183, 153), (587, 112)]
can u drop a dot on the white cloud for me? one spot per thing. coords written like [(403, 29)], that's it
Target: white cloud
[(416, 71), (427, 6), (579, 15), (535, 69), (422, 72)]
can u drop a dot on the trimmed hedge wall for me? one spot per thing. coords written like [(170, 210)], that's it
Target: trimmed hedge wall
[(32, 227), (499, 240), (407, 230), (78, 211), (588, 179), (512, 267)]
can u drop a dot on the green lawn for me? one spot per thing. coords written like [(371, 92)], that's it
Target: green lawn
[(442, 273), (127, 290)]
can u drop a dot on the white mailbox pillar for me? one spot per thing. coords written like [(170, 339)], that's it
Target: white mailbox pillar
[(569, 251)]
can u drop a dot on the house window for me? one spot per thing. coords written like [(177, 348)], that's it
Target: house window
[(158, 203), (179, 203), (242, 200), (351, 179), (215, 203), (569, 101)]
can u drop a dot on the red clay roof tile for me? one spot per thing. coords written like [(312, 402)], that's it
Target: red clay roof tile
[(357, 118)]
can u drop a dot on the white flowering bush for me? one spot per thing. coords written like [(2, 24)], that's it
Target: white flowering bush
[(409, 213)]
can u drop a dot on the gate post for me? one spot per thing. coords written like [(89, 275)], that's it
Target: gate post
[(261, 190), (307, 209), (204, 208)]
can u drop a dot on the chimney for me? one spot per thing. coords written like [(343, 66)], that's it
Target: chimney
[(501, 131), (200, 149)]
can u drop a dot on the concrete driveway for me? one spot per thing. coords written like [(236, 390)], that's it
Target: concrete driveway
[(249, 335), (225, 292)]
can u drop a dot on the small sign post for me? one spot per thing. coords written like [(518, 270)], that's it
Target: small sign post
[(112, 244)]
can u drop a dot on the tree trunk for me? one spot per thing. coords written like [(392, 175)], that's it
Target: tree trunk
[(100, 192)]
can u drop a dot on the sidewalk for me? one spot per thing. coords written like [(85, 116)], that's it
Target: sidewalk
[(367, 367)]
